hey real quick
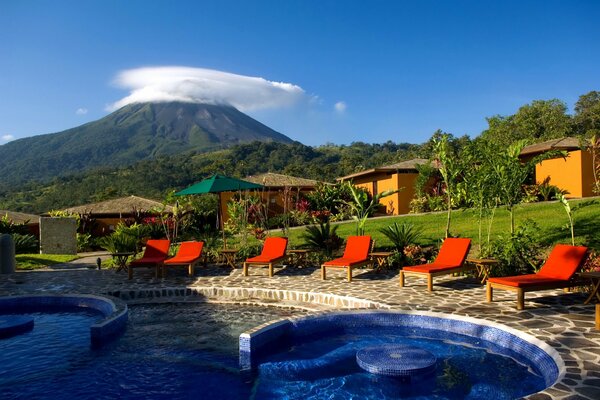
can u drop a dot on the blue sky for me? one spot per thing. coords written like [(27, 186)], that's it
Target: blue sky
[(397, 70)]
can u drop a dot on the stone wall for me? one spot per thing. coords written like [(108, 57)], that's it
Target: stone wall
[(58, 235)]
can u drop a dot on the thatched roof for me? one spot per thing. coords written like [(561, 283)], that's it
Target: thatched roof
[(568, 143), (410, 166), (123, 205), (20, 218), (271, 180)]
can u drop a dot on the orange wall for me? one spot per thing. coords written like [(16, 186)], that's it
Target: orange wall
[(573, 174), (395, 204)]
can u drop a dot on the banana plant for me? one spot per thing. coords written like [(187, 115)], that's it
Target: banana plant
[(362, 208)]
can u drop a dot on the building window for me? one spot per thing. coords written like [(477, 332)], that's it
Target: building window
[(375, 188)]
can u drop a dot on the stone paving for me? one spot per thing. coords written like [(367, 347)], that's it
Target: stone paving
[(559, 319)]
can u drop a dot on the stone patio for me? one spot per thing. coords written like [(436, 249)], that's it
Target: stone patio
[(560, 319)]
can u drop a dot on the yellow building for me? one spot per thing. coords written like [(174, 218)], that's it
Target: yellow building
[(574, 173), (402, 175)]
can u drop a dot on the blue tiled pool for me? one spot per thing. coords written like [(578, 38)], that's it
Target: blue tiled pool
[(316, 356), (190, 351)]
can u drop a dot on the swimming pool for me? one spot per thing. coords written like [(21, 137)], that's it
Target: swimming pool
[(174, 350), (190, 350)]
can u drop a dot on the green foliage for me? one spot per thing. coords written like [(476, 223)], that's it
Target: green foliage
[(155, 177), (7, 225), (565, 203), (84, 242), (541, 120), (401, 235), (125, 239), (322, 237), (362, 207), (518, 253), (329, 197), (587, 113), (451, 170), (25, 243)]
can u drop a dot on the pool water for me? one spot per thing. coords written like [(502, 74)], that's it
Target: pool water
[(190, 351), (169, 351), (326, 368)]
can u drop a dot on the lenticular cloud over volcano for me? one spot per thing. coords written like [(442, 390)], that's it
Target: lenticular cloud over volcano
[(200, 85)]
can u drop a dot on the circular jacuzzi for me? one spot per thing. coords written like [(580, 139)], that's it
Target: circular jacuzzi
[(385, 354)]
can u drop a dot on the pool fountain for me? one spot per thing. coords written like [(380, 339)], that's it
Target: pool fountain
[(390, 354)]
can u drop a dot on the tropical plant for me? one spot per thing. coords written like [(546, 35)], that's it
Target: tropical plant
[(327, 197), (518, 253), (362, 207), (451, 170), (565, 203), (84, 241), (401, 235), (25, 244), (322, 237), (7, 225), (119, 242)]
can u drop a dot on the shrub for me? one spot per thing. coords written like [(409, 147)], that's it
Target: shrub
[(401, 235), (518, 253), (322, 237), (119, 242), (25, 244), (84, 241)]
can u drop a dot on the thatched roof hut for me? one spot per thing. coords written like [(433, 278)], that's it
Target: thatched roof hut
[(121, 206), (272, 180), (20, 218)]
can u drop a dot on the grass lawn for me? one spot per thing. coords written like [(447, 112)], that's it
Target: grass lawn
[(36, 261), (550, 217)]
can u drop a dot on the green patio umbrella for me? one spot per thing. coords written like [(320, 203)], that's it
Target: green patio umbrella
[(218, 184)]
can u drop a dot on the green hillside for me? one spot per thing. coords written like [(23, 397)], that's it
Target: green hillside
[(131, 134), (155, 177)]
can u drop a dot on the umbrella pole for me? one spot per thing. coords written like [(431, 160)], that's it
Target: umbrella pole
[(220, 223)]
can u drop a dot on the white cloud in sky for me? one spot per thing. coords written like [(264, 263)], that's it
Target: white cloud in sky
[(81, 111), (340, 107), (7, 138), (200, 85)]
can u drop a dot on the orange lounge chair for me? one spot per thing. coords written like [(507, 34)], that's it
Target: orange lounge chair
[(557, 273), (155, 253), (356, 254), (189, 254), (273, 252), (450, 259)]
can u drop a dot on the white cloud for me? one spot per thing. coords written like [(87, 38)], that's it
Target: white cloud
[(81, 111), (200, 85), (7, 138), (340, 107)]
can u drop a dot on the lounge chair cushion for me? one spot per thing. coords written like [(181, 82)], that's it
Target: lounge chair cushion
[(357, 248), (156, 252), (428, 268), (452, 255), (523, 281), (188, 252), (453, 251), (356, 252), (563, 262), (273, 250)]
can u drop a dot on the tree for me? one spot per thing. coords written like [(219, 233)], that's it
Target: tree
[(587, 114), (451, 169), (541, 120), (481, 188)]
